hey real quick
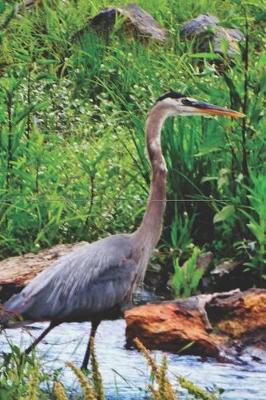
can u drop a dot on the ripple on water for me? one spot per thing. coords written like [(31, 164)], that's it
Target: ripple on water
[(125, 373)]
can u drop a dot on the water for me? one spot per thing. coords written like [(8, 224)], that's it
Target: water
[(125, 372)]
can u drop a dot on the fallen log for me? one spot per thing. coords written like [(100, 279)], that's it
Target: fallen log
[(218, 325), (17, 272)]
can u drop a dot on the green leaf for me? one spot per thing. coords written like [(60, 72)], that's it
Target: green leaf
[(209, 178), (198, 274), (24, 113), (2, 7), (46, 61), (225, 213), (206, 56)]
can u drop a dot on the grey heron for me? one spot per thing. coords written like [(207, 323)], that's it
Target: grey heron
[(96, 282)]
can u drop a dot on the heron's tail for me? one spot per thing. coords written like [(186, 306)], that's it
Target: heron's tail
[(10, 317), (10, 320), (4, 318)]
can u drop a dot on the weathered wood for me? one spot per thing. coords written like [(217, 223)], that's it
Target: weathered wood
[(16, 272), (233, 316)]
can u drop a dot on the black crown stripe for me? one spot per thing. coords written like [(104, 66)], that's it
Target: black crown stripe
[(171, 95)]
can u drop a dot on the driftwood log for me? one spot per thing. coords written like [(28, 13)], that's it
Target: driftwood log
[(17, 272), (220, 325)]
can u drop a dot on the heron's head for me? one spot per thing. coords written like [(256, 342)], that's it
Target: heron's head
[(179, 104)]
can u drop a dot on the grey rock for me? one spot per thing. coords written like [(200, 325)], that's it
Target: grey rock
[(137, 22), (227, 39), (235, 34), (210, 35), (198, 25), (104, 21)]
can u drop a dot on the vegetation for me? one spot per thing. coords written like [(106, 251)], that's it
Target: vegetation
[(186, 278), (21, 377), (72, 110)]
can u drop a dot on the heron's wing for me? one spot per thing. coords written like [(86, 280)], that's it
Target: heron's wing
[(91, 279)]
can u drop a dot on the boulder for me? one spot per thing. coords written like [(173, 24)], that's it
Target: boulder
[(199, 25), (134, 20), (218, 325), (209, 35)]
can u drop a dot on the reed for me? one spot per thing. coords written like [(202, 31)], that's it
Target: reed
[(164, 389), (59, 391), (87, 388), (96, 375), (195, 390)]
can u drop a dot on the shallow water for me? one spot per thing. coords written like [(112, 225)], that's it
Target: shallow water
[(125, 372)]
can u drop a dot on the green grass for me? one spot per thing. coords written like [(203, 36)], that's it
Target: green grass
[(72, 156)]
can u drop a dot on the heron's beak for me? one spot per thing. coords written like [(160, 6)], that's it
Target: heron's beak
[(210, 109)]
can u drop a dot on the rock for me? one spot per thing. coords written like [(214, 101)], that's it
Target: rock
[(206, 29), (236, 318), (198, 25), (103, 22), (225, 41), (225, 267), (137, 23), (16, 272)]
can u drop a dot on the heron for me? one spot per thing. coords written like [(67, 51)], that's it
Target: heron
[(97, 282)]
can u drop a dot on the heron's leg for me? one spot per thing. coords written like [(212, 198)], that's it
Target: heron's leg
[(39, 338), (94, 326)]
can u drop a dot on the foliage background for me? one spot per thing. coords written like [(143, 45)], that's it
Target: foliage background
[(72, 159)]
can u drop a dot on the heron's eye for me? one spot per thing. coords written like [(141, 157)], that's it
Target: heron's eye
[(186, 102)]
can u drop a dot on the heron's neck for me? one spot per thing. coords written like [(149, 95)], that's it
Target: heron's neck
[(150, 229)]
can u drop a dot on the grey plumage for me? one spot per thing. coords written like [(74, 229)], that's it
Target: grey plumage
[(87, 282)]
